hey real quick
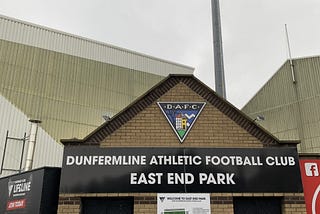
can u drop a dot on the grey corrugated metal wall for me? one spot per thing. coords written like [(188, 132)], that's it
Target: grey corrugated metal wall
[(291, 110), (69, 82), (38, 36), (69, 94), (47, 152)]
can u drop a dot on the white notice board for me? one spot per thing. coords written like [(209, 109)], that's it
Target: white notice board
[(183, 203)]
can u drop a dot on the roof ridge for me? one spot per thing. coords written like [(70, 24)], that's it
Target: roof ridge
[(100, 43), (156, 92)]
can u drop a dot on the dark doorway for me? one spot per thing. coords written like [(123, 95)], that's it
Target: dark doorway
[(257, 205), (109, 205)]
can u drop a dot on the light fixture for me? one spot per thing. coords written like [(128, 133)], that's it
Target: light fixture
[(259, 118)]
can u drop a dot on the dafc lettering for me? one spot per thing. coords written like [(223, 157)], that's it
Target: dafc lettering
[(182, 106)]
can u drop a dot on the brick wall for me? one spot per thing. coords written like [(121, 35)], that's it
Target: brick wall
[(294, 203), (146, 203), (151, 129), (212, 129), (69, 203)]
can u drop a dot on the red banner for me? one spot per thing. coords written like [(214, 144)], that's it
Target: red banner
[(16, 204), (310, 174)]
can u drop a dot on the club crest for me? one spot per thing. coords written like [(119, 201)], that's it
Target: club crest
[(181, 116)]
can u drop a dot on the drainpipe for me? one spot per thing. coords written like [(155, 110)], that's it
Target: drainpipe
[(32, 143)]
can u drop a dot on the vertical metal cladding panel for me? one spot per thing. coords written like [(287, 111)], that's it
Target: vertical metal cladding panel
[(48, 152), (42, 74), (299, 100), (272, 101), (275, 93), (54, 87), (38, 36), (308, 70)]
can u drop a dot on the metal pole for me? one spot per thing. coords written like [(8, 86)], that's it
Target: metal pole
[(290, 58), (217, 49), (4, 150), (32, 143), (22, 152)]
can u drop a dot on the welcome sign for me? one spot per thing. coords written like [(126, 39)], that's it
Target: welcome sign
[(93, 170), (183, 203)]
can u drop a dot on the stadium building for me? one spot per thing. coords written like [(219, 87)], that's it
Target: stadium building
[(289, 103), (134, 138), (142, 161), (70, 83)]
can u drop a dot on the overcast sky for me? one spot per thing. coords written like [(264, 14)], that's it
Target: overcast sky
[(253, 32)]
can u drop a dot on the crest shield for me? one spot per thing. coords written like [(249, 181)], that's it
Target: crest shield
[(181, 116)]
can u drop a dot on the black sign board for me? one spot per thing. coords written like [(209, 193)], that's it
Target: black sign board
[(96, 170), (35, 192)]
